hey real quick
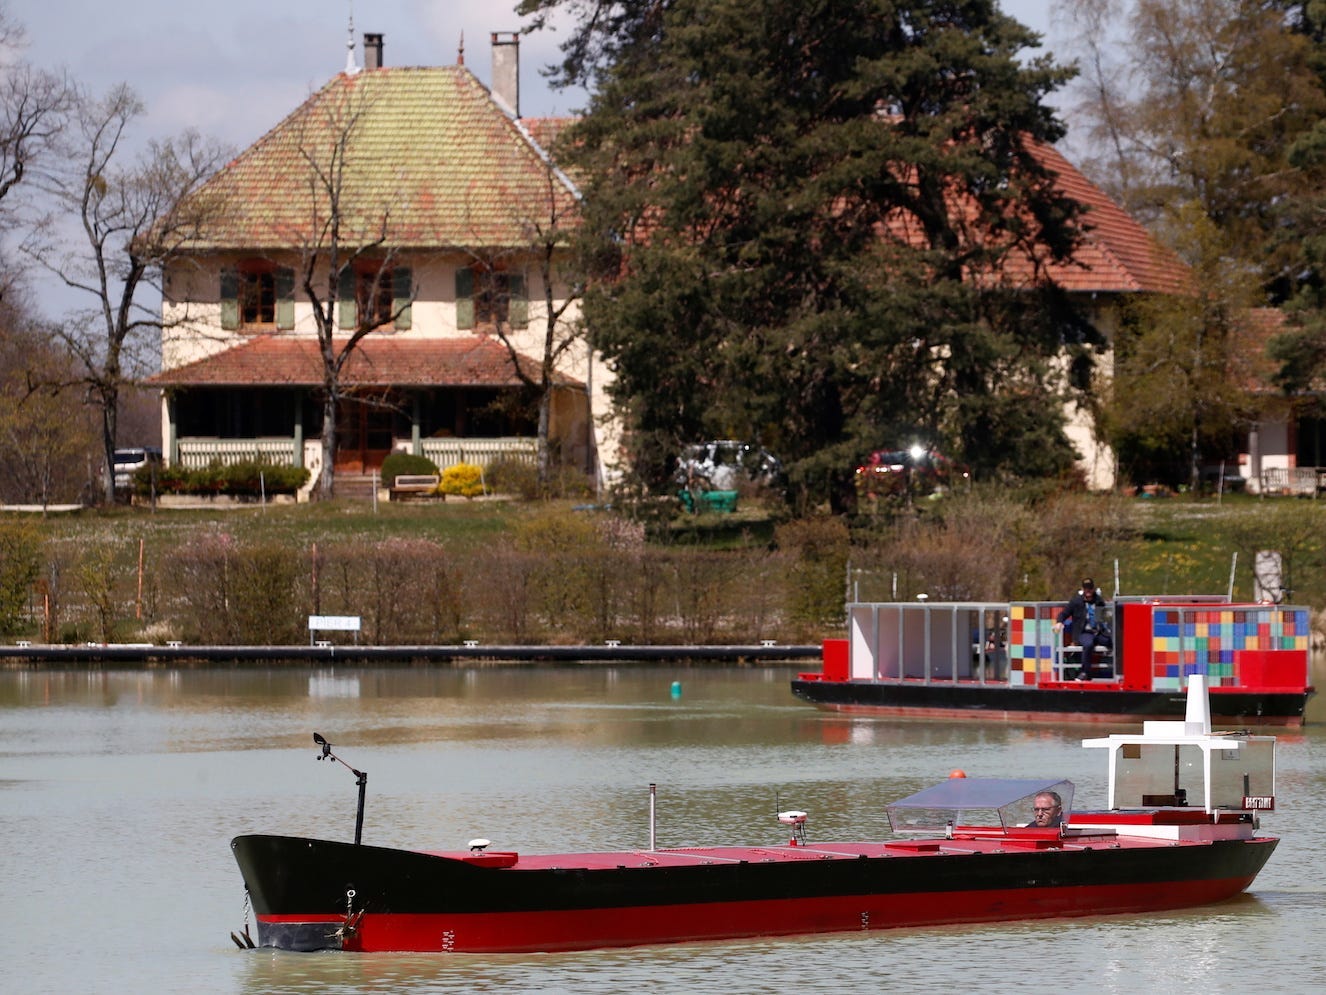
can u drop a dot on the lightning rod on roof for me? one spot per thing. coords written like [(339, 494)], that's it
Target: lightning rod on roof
[(350, 67)]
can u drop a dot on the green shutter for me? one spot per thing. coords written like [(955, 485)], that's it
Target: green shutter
[(229, 298), (285, 298), (346, 309), (518, 305), (464, 297), (402, 292)]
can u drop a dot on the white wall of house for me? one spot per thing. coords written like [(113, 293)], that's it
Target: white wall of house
[(191, 313)]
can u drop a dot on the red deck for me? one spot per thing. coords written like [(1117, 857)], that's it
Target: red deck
[(974, 839)]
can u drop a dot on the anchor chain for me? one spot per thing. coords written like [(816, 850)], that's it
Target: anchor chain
[(243, 940), (350, 927)]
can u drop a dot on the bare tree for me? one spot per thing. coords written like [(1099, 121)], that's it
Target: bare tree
[(44, 440), (346, 263), (133, 219), (34, 104), (548, 233)]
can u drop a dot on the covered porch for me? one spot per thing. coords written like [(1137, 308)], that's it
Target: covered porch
[(448, 400)]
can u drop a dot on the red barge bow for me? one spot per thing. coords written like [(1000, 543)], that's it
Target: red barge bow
[(1180, 829)]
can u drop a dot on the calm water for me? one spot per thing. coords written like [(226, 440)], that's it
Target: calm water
[(119, 792)]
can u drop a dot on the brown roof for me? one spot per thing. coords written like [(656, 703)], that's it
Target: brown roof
[(431, 152), (1116, 254), (286, 360), (1253, 367)]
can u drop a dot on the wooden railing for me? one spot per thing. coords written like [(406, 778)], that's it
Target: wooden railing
[(1306, 480), (195, 454), (480, 452)]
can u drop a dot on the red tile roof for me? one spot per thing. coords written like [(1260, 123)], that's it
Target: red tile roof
[(1116, 254), (286, 360), (1253, 367), (432, 153)]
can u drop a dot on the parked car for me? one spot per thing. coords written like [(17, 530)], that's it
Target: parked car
[(128, 461), (723, 464), (916, 472)]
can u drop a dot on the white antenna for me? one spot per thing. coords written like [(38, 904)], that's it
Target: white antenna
[(350, 66)]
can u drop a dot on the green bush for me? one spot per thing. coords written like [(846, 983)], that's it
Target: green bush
[(250, 478), (818, 549), (20, 562), (405, 464), (514, 476)]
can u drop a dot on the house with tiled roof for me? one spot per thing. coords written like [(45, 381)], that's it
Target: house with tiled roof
[(446, 209), (1285, 446), (440, 201)]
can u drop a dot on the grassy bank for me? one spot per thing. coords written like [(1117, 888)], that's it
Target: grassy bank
[(505, 571)]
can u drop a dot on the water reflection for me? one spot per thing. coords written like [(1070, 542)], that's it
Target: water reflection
[(122, 789)]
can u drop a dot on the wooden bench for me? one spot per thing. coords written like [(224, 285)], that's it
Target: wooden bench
[(414, 485)]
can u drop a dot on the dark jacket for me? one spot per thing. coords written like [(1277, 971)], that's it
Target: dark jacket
[(1077, 611)]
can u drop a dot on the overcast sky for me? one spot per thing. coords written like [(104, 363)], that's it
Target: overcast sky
[(234, 68)]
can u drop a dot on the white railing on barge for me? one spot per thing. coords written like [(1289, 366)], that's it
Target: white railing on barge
[(963, 641), (1016, 643), (930, 642)]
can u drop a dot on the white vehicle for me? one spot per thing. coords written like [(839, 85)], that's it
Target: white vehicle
[(128, 461), (724, 463)]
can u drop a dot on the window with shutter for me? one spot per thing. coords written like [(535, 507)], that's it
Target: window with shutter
[(402, 296), (257, 295), (464, 298), (517, 301), (346, 312), (285, 298), (374, 293), (229, 299)]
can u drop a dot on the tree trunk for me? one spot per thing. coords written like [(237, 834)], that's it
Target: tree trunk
[(545, 404), (109, 424), (327, 484)]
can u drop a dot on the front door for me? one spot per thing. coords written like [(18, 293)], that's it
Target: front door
[(364, 435)]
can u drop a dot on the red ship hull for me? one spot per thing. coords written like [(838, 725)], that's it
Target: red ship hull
[(1069, 702), (315, 894)]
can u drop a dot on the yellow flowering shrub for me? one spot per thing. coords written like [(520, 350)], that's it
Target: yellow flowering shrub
[(464, 479)]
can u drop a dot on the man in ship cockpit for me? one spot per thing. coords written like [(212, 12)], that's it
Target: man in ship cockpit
[(1047, 811), (1085, 614)]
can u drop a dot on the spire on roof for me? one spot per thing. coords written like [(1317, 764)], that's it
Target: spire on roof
[(350, 66), (460, 52)]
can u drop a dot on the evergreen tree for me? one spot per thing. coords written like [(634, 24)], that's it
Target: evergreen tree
[(1301, 237), (797, 215)]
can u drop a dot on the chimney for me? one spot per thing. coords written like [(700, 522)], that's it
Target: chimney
[(372, 51), (506, 70)]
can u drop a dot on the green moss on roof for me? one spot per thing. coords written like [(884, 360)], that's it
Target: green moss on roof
[(429, 161)]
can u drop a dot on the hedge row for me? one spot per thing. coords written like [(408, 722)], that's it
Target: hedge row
[(555, 579), (250, 478)]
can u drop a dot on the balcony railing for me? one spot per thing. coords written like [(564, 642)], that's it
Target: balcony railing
[(1302, 480), (480, 452), (195, 453)]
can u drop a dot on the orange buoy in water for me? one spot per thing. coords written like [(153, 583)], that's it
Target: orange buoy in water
[(957, 773)]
